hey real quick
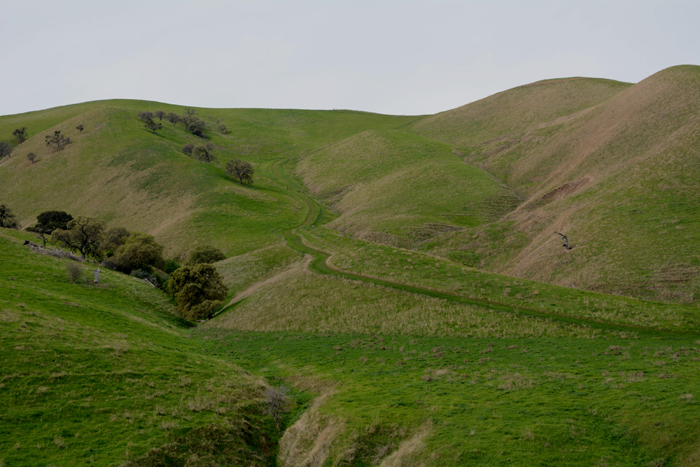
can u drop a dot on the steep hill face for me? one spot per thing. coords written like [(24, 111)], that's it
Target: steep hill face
[(620, 178), (494, 121)]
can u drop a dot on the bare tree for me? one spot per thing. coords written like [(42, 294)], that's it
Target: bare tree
[(241, 170), (278, 402), (173, 118), (160, 114), (20, 134), (188, 148), (153, 126), (57, 140), (146, 116), (190, 111)]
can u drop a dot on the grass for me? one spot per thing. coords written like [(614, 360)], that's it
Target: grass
[(473, 184), (133, 178), (305, 302), (630, 157), (414, 269), (485, 401), (369, 177)]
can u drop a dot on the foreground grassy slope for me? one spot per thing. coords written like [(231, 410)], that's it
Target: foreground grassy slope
[(104, 374), (98, 374), (497, 402)]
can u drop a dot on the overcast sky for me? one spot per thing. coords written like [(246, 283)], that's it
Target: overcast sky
[(394, 56)]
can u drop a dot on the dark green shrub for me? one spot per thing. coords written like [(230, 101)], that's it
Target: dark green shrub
[(171, 265), (198, 291), (139, 251), (205, 254)]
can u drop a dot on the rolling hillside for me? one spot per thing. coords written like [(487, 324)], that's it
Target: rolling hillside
[(402, 189), (406, 264), (118, 171), (620, 178), (611, 164)]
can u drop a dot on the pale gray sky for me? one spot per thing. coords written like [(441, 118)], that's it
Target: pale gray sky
[(393, 56)]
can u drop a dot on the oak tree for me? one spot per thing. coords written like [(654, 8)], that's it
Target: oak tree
[(7, 218), (205, 254), (49, 221), (198, 291), (5, 149), (57, 140), (82, 234), (139, 251), (241, 170), (204, 152)]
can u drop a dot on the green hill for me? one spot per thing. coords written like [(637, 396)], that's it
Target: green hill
[(620, 179), (401, 189), (118, 171), (407, 264)]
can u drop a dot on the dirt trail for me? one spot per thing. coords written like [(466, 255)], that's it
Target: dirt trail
[(291, 269)]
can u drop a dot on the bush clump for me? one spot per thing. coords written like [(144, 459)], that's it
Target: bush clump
[(198, 291), (74, 272), (205, 254), (138, 251)]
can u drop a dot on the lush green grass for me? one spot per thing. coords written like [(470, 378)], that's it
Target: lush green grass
[(611, 164), (122, 173), (97, 374), (410, 268), (241, 272), (552, 401)]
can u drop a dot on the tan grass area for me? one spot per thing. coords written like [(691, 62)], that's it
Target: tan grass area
[(406, 455), (309, 441), (306, 302)]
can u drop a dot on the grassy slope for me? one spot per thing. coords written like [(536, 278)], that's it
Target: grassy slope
[(119, 172), (497, 119), (619, 178), (92, 368), (98, 374), (399, 188), (399, 400)]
